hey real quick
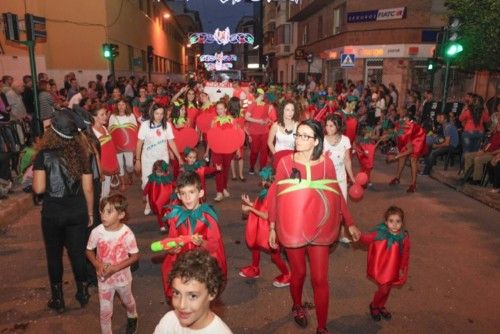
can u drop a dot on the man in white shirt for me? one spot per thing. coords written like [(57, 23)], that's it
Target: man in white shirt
[(75, 99)]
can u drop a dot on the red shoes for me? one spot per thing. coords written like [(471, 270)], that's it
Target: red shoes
[(281, 281), (250, 272), (394, 181), (299, 315), (412, 188)]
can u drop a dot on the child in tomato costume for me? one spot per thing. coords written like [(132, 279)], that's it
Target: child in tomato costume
[(193, 165), (196, 220), (388, 258), (257, 232), (305, 211), (159, 190), (350, 118)]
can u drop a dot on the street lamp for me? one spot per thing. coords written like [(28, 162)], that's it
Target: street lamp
[(166, 15)]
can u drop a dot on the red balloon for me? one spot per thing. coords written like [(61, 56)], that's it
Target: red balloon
[(356, 192), (361, 178)]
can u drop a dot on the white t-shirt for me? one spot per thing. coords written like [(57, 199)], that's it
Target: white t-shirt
[(75, 99), (284, 141), (337, 155), (169, 324), (121, 119), (113, 247), (155, 141)]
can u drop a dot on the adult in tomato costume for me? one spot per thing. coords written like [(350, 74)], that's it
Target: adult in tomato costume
[(194, 219), (123, 129), (140, 105), (159, 190), (388, 258), (257, 232), (305, 210), (410, 139), (108, 159), (259, 116)]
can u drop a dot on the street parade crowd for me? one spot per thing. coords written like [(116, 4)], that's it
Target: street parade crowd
[(302, 141)]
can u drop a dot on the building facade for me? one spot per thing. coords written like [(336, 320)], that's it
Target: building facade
[(280, 42), (77, 29), (391, 40)]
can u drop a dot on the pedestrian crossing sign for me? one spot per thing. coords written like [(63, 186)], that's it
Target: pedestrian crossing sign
[(346, 60)]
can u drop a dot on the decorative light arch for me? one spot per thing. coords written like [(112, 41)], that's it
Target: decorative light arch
[(221, 37)]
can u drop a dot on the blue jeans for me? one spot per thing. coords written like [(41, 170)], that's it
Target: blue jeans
[(471, 141)]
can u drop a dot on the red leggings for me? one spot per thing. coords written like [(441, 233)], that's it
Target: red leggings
[(382, 294), (318, 263), (275, 257), (221, 177), (258, 146)]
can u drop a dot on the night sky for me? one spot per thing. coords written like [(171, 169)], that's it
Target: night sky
[(214, 15)]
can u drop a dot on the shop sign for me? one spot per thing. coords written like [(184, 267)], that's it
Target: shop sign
[(397, 13)]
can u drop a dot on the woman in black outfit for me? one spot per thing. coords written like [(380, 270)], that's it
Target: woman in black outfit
[(62, 172)]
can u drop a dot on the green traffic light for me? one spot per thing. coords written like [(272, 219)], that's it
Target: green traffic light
[(107, 54), (430, 67), (453, 49)]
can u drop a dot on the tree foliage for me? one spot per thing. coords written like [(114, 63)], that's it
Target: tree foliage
[(480, 31)]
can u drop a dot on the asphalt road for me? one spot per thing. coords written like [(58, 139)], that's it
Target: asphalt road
[(452, 286)]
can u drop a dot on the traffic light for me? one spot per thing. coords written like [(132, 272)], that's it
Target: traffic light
[(106, 51), (453, 46), (431, 65), (114, 50)]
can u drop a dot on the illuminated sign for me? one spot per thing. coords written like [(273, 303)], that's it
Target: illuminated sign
[(216, 62), (218, 57), (221, 37), (377, 15)]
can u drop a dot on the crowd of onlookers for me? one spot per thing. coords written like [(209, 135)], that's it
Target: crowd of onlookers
[(467, 131)]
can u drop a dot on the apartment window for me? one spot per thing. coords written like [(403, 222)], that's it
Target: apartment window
[(144, 60), (336, 21), (320, 27), (141, 6), (287, 38), (305, 34)]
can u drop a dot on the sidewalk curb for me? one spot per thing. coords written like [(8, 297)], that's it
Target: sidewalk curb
[(13, 208), (478, 193)]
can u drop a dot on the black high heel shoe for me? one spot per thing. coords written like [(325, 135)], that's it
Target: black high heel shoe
[(375, 313)]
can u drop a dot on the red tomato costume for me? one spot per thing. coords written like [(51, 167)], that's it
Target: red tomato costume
[(159, 190), (308, 212), (124, 136), (202, 221), (407, 131), (351, 125), (259, 132), (365, 152), (388, 256), (109, 160), (257, 235), (192, 113)]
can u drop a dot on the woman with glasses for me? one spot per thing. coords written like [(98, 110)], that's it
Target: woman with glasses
[(305, 211), (155, 138)]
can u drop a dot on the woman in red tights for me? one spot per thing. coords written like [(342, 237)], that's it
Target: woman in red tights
[(305, 208)]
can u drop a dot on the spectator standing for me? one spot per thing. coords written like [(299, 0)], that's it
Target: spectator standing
[(474, 119), (73, 89), (47, 110), (28, 95), (15, 100), (75, 99), (62, 172)]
